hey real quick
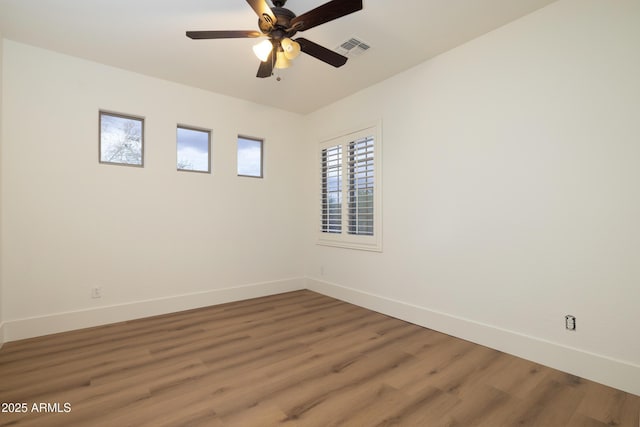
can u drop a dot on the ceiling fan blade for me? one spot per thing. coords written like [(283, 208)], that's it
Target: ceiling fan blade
[(325, 13), (266, 67), (262, 9), (201, 35), (321, 53)]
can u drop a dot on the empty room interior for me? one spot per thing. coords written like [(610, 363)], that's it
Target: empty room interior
[(417, 213)]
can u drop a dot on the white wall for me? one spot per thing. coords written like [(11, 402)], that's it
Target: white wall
[(510, 191), (1, 192), (154, 239)]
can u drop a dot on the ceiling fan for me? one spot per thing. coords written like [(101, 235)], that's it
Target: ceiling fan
[(279, 25)]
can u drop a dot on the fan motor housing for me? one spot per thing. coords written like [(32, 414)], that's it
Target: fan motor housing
[(283, 21)]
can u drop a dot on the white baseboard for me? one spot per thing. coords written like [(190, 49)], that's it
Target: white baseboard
[(602, 369), (68, 321)]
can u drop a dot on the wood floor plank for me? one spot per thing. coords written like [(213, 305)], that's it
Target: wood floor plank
[(552, 403), (420, 408), (519, 377), (610, 406), (485, 405), (294, 359), (371, 411)]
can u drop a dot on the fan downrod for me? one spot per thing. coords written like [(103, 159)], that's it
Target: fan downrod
[(279, 3)]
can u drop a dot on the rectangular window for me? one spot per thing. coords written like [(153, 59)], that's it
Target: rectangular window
[(250, 153), (193, 149), (350, 211), (121, 139)]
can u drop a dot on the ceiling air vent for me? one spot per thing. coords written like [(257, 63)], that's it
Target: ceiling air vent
[(352, 48)]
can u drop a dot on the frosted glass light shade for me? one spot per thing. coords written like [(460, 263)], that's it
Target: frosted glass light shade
[(263, 49), (291, 48), (281, 60)]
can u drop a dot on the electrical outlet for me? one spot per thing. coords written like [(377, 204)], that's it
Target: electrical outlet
[(96, 292), (570, 322), (322, 270)]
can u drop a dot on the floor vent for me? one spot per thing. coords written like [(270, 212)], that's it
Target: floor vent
[(352, 48)]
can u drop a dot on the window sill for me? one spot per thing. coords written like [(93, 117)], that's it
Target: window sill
[(362, 243)]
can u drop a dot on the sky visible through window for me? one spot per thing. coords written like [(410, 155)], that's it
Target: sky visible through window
[(120, 139), (193, 149), (249, 157)]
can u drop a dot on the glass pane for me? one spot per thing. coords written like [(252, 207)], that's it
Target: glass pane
[(332, 190), (193, 150), (249, 157), (121, 139), (361, 185)]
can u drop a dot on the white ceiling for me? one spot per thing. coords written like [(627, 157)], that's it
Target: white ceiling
[(148, 37)]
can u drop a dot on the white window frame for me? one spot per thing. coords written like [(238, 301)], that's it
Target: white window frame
[(343, 239)]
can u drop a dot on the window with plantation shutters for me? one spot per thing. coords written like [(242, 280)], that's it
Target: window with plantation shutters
[(350, 191)]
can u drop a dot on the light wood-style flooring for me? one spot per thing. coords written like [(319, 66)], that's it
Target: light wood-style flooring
[(295, 359)]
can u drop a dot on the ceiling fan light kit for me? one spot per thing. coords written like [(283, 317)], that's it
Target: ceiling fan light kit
[(263, 49), (279, 25), (291, 48), (281, 60)]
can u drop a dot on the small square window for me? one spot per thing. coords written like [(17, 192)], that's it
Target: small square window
[(250, 157), (121, 139), (193, 149)]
